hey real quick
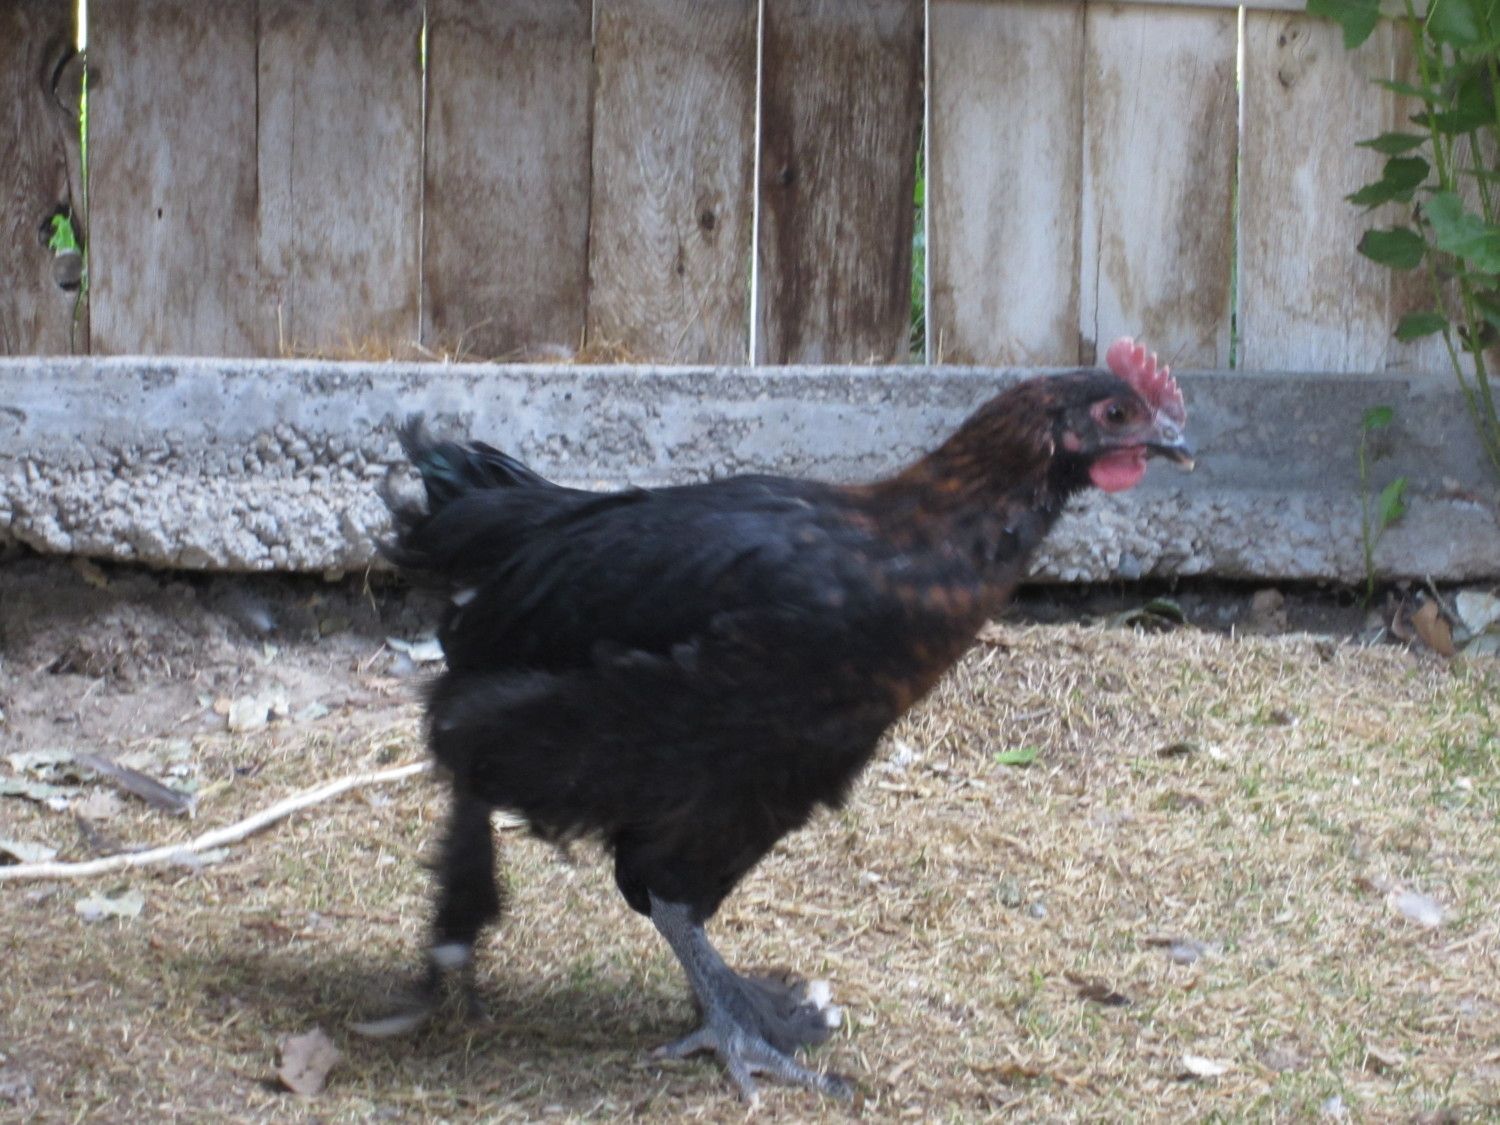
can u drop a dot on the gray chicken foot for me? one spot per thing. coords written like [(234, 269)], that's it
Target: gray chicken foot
[(752, 1023)]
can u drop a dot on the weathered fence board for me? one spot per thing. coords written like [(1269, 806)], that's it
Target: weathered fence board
[(674, 153), (505, 267), (841, 107), (266, 181), (1307, 300), (1160, 135), (172, 161), (1003, 183), (340, 141), (37, 162)]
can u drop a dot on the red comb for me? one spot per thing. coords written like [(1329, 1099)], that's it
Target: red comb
[(1133, 363)]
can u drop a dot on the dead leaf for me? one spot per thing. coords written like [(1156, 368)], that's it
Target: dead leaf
[(1419, 908), (1434, 629), (428, 650), (1196, 1066), (1177, 750), (100, 804), (50, 795), (1384, 1058), (99, 906), (305, 1062), (1013, 1074), (27, 852), (1097, 991), (44, 763), (91, 574), (995, 635), (248, 713)]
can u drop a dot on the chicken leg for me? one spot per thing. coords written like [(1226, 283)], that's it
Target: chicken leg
[(468, 899), (753, 1025)]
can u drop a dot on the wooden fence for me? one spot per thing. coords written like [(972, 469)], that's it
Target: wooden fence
[(700, 181)]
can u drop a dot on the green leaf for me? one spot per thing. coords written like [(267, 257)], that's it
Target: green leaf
[(1400, 248), (1020, 756), (1357, 17), (1488, 303), (1373, 195), (1406, 89), (1463, 234), (1406, 171), (1393, 144), (1473, 106), (63, 236), (1399, 180), (1377, 418), (1415, 325), (1392, 502), (1454, 22)]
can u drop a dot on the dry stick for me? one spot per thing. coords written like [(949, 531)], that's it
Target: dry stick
[(217, 838)]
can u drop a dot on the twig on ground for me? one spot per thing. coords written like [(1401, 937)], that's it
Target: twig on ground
[(229, 834)]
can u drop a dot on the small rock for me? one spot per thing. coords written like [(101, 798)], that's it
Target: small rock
[(1009, 892), (1281, 1057), (1185, 952), (248, 713), (1037, 910), (15, 1086), (1267, 613)]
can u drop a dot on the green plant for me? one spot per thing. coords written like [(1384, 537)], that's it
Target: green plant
[(63, 238), (1391, 504), (1445, 165), (917, 338)]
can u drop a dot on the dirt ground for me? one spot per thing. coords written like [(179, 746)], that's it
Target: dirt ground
[(1105, 873)]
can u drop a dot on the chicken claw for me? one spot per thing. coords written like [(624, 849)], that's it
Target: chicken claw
[(444, 961), (753, 1024)]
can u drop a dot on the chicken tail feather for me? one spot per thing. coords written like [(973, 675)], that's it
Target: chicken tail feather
[(450, 469)]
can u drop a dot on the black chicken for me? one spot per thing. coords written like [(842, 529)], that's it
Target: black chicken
[(688, 673)]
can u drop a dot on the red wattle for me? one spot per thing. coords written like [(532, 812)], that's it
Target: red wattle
[(1115, 472)]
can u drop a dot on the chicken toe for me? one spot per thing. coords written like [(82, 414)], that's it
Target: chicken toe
[(753, 1024), (449, 964)]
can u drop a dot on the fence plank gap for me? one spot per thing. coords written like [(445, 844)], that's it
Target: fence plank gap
[(172, 175), (38, 174), (1156, 220), (340, 143), (674, 148), (1003, 181), (507, 177), (841, 108), (1308, 302)]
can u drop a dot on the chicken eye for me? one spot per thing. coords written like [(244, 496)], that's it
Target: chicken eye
[(1114, 414)]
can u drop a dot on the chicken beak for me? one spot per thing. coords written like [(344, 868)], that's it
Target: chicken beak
[(1171, 443)]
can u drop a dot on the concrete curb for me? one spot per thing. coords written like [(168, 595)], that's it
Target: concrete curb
[(254, 465)]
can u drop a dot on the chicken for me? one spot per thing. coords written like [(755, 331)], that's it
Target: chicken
[(687, 674)]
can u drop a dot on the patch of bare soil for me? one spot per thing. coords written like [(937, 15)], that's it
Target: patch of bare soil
[(1103, 873)]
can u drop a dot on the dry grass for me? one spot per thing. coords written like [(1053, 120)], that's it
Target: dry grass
[(954, 904)]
